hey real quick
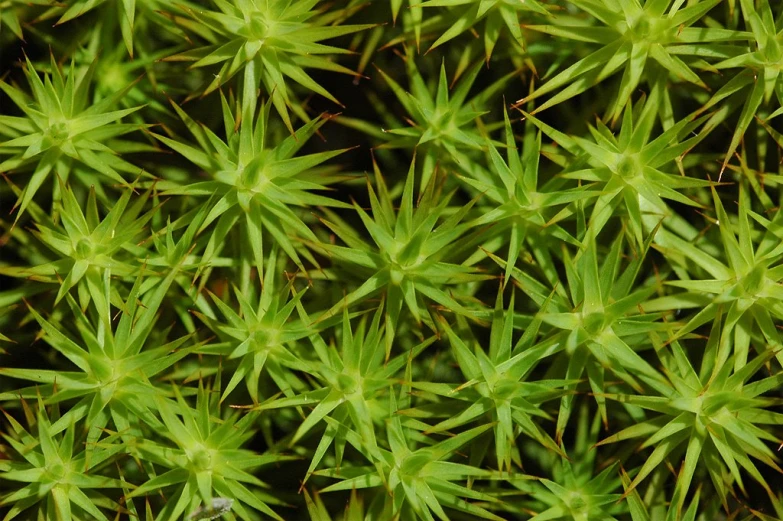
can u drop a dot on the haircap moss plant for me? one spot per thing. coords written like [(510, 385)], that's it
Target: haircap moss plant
[(415, 260), (279, 37), (62, 133)]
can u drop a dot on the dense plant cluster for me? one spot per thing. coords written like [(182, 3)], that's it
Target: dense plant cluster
[(367, 260)]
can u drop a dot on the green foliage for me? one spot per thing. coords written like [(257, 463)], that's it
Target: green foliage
[(629, 35), (494, 387), (88, 249), (62, 133), (259, 336), (207, 458), (716, 413), (408, 257), (54, 472), (251, 180), (530, 271), (280, 38), (497, 15)]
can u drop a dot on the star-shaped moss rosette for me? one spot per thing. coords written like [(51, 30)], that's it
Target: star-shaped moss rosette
[(87, 250), (255, 183), (204, 458), (110, 367), (61, 133), (440, 122), (514, 210), (760, 76), (281, 38), (594, 320), (716, 419), (580, 487), (742, 283), (419, 476), (55, 471), (261, 335), (496, 390), (408, 256), (95, 40), (629, 35), (632, 166), (356, 380)]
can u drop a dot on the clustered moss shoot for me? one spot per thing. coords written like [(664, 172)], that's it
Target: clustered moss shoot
[(410, 260)]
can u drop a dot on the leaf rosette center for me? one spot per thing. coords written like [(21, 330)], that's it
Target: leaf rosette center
[(202, 459), (84, 249), (576, 502), (504, 389), (348, 384), (594, 323), (754, 282), (628, 167), (59, 131), (646, 29), (258, 26), (57, 471), (253, 177), (259, 339), (404, 257)]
